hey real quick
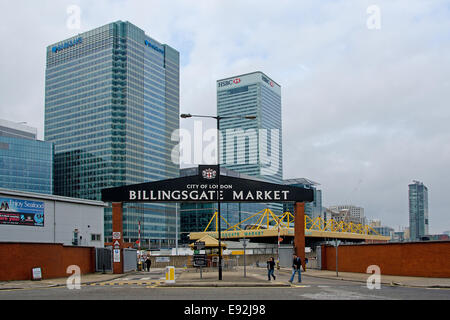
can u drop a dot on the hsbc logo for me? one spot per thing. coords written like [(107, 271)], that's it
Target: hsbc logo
[(270, 83), (229, 82)]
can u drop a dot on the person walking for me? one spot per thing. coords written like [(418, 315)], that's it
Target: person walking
[(271, 268), (148, 263), (296, 267)]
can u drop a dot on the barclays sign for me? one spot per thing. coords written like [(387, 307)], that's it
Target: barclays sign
[(150, 45), (67, 44)]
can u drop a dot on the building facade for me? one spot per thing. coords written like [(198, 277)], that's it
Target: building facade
[(312, 209), (39, 218), (418, 210), (26, 164), (251, 147), (111, 105), (350, 213)]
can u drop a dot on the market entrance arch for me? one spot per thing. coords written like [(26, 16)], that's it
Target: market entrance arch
[(206, 187)]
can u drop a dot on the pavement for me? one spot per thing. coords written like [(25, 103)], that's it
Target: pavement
[(255, 277)]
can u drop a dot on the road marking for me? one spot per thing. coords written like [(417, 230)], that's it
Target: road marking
[(300, 286)]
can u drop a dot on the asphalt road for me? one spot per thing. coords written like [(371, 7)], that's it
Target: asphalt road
[(138, 288)]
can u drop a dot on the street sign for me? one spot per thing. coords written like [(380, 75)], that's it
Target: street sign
[(199, 245), (116, 235), (244, 242), (200, 260), (116, 255), (37, 273)]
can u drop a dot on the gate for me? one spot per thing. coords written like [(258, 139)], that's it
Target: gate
[(286, 256), (103, 259), (129, 260)]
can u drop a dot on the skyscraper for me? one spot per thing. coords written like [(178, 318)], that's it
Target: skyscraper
[(252, 147), (111, 105), (418, 210)]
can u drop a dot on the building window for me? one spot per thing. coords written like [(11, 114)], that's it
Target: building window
[(96, 237)]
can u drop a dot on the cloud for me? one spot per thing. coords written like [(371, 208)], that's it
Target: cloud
[(364, 111)]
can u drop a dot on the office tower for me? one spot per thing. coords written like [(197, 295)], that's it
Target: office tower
[(312, 209), (26, 164), (252, 147), (418, 210), (111, 105)]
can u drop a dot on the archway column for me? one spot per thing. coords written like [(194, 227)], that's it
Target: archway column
[(299, 232), (117, 229)]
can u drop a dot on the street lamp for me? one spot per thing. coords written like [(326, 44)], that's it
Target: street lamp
[(218, 118)]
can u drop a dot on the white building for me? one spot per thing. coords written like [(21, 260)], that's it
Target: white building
[(352, 213), (41, 218)]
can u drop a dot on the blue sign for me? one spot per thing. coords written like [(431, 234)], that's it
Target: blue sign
[(21, 212), (66, 45), (149, 44)]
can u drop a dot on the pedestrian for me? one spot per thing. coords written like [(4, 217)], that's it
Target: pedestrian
[(148, 263), (271, 268), (296, 267)]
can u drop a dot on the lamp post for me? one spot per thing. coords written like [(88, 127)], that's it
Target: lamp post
[(218, 118)]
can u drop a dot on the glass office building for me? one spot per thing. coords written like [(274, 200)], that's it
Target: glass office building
[(418, 210), (111, 105), (26, 164), (252, 147), (313, 209)]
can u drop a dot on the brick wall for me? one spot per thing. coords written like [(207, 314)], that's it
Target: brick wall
[(418, 259), (17, 260)]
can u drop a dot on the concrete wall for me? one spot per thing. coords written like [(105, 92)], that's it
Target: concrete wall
[(419, 259), (61, 217), (17, 260)]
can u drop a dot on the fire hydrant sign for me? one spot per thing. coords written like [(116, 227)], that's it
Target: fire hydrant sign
[(116, 255)]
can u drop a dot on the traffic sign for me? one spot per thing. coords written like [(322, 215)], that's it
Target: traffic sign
[(116, 235), (200, 260)]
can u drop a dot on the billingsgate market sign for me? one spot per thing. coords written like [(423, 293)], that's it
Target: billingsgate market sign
[(203, 187)]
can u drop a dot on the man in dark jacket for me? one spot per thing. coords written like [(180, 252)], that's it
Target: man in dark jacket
[(148, 263), (296, 267), (271, 268)]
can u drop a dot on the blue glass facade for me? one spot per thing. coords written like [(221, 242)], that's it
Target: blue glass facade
[(26, 165), (112, 103), (252, 147), (312, 209), (418, 210)]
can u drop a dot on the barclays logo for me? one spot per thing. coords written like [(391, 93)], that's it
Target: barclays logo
[(150, 45), (66, 45)]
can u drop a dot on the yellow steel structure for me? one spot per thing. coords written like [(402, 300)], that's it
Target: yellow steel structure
[(270, 225)]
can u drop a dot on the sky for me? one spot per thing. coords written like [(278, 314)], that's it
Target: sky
[(365, 84)]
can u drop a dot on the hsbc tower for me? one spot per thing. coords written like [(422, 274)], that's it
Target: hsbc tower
[(251, 147)]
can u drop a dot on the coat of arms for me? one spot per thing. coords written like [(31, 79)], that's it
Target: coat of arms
[(209, 174)]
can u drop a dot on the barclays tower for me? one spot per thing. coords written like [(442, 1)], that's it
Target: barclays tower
[(111, 105)]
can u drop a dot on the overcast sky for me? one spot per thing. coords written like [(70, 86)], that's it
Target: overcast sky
[(365, 101)]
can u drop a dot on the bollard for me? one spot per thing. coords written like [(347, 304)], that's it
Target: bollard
[(170, 274)]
